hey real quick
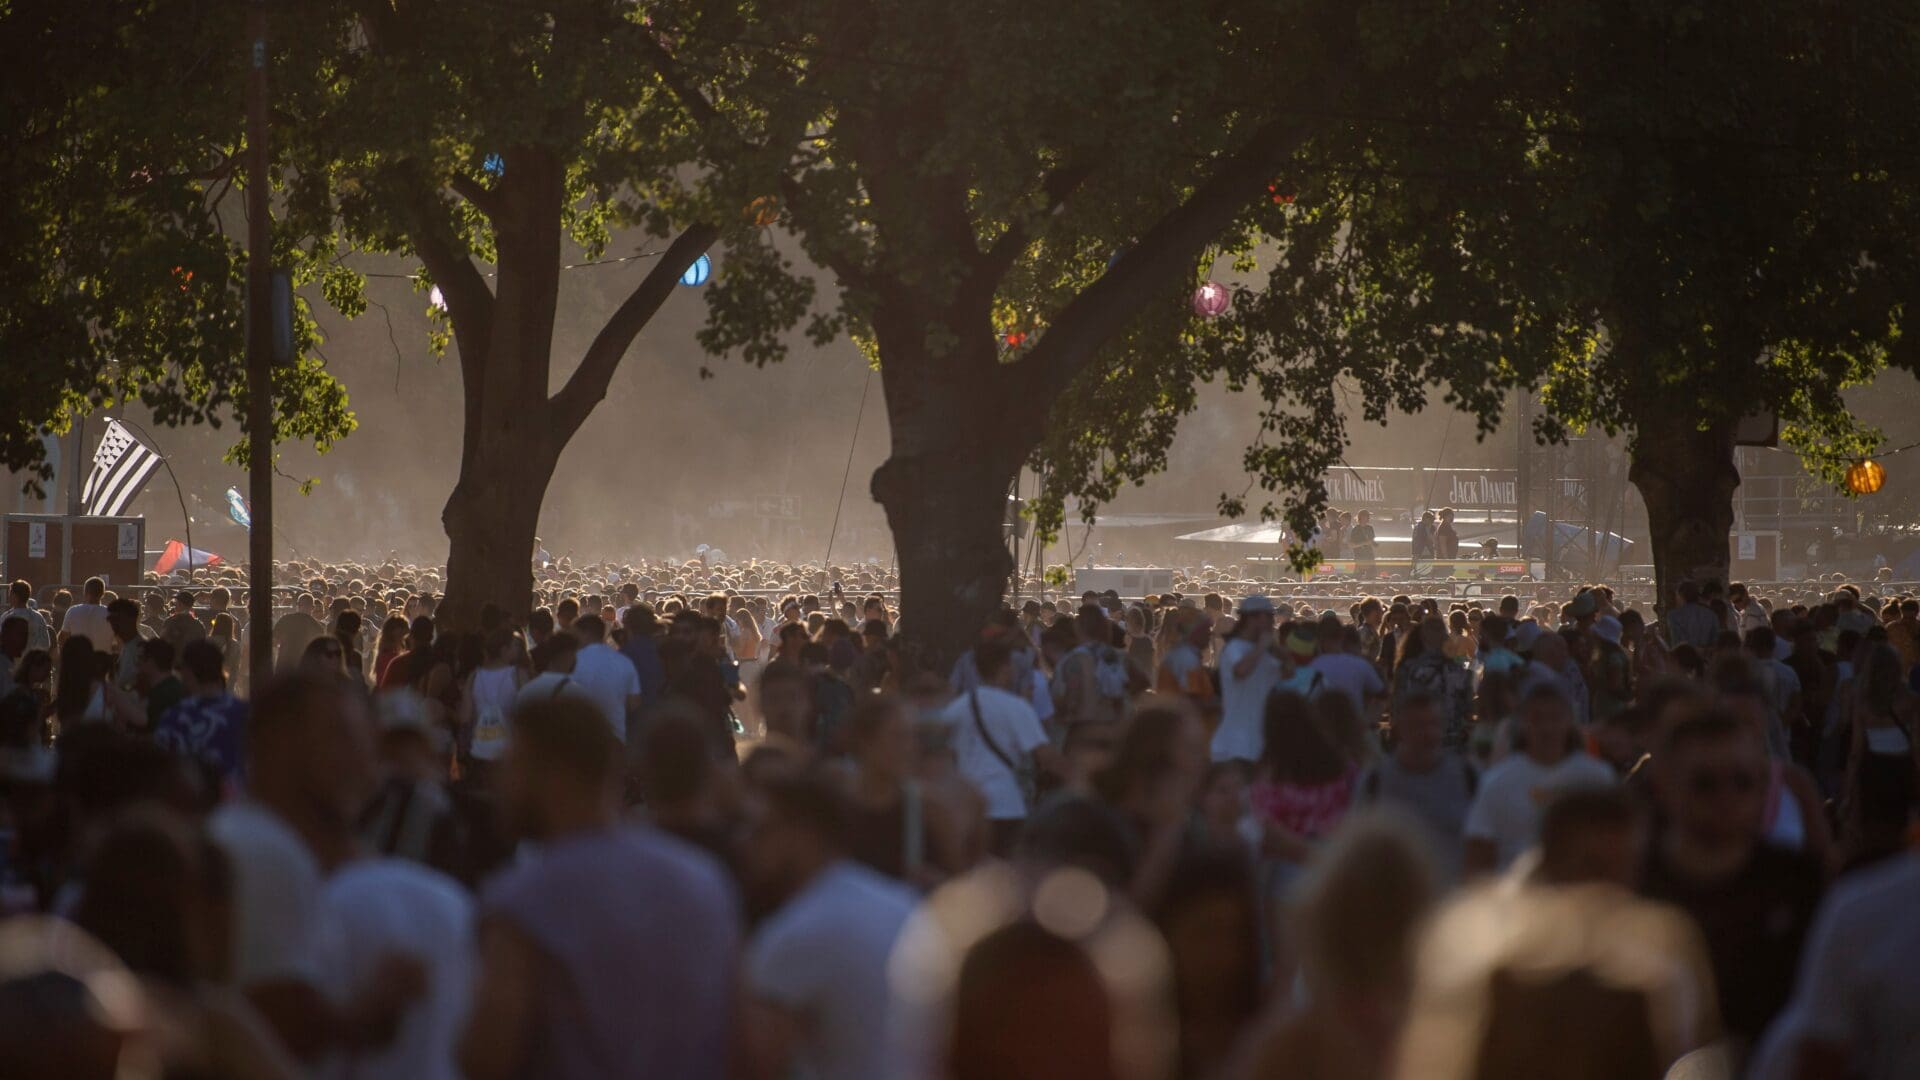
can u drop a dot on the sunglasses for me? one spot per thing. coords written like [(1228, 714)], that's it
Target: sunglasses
[(1706, 783)]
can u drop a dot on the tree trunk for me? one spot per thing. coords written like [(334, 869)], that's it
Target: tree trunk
[(946, 519), (491, 519), (1687, 478)]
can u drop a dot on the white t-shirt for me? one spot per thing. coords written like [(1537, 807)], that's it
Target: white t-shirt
[(1514, 792), (1015, 729), (494, 694), (276, 896), (90, 621), (1354, 676), (609, 679), (1243, 702), (824, 957), (379, 906), (549, 685), (1859, 983)]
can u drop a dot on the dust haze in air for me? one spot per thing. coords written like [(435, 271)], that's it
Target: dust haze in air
[(670, 460)]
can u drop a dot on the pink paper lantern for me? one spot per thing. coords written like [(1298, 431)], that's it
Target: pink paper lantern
[(1210, 300)]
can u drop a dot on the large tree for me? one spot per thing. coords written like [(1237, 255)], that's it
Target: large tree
[(1016, 202), (483, 139), (1665, 217), (123, 282)]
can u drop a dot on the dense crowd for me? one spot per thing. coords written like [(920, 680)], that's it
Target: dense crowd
[(689, 820)]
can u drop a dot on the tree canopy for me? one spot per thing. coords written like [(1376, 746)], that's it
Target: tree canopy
[(125, 282)]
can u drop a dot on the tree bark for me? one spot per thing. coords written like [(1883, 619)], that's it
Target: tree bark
[(1687, 478), (491, 520), (946, 514)]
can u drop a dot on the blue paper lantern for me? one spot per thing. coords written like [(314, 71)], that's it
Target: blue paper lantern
[(699, 272), (495, 165)]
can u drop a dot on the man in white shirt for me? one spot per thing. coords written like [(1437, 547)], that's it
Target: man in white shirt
[(1504, 820), (997, 737), (816, 968), (1743, 611), (380, 906), (1248, 673), (609, 678), (88, 618), (309, 772)]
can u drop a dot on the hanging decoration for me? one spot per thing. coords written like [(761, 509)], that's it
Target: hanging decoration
[(1281, 197), (764, 210), (698, 273), (494, 165), (1866, 476), (437, 299), (238, 510), (1210, 301), (184, 276)]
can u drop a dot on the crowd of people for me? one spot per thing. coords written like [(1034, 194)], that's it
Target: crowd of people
[(689, 820)]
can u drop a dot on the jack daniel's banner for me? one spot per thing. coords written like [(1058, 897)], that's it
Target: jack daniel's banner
[(1365, 488)]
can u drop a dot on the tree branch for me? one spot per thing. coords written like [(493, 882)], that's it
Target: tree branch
[(833, 256), (469, 301), (587, 386), (1057, 185), (1167, 249), (483, 199), (674, 76)]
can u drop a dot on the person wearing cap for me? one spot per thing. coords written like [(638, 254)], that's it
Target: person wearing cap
[(1249, 670), (1583, 609)]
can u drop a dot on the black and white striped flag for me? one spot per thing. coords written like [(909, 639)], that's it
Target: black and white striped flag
[(120, 469)]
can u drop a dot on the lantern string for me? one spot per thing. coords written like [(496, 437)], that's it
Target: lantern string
[(415, 276), (1828, 455)]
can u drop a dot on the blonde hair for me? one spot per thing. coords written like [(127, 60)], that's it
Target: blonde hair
[(1359, 908)]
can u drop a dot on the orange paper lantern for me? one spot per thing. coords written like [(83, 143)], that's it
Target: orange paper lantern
[(1864, 477)]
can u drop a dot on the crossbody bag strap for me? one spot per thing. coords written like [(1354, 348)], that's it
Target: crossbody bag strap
[(979, 725)]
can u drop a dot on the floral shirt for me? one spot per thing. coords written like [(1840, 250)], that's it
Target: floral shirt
[(209, 729), (1306, 810)]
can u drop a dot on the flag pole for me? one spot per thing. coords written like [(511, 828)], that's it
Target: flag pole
[(259, 358), (186, 519)]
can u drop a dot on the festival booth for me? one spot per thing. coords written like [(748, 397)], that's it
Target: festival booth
[(1486, 507), (68, 549)]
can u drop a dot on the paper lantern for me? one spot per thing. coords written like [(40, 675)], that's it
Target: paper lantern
[(699, 272), (764, 210), (1017, 338), (495, 165), (436, 298), (1210, 300), (1281, 196), (1864, 477)]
